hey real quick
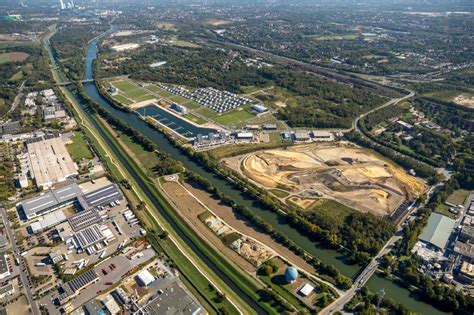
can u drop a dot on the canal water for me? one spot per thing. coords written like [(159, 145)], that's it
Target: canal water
[(171, 121), (328, 256)]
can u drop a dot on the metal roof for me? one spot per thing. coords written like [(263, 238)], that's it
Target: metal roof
[(50, 199), (437, 230), (102, 196)]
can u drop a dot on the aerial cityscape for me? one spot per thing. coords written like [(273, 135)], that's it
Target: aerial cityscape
[(236, 157)]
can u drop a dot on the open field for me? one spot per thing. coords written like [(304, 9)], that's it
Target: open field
[(458, 197), (78, 149), (333, 37), (455, 96), (13, 57), (233, 116), (355, 177), (217, 22)]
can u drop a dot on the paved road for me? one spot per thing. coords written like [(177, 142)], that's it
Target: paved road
[(24, 276), (361, 280), (389, 103)]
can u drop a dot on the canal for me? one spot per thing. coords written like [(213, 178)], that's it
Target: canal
[(328, 256)]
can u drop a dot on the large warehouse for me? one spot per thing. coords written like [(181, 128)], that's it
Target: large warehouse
[(50, 201), (58, 198), (437, 230), (50, 161)]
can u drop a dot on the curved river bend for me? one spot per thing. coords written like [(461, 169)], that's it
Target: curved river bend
[(328, 256)]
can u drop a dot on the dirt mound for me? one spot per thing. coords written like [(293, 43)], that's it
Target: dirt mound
[(353, 176)]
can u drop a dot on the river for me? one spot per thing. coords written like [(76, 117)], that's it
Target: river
[(328, 256)]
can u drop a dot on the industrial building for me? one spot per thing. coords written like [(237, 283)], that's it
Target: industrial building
[(466, 250), (301, 136), (54, 112), (73, 287), (84, 219), (321, 135), (89, 236), (4, 271), (102, 196), (269, 127), (6, 290), (174, 300), (145, 278), (259, 108), (110, 304), (50, 201), (50, 161), (47, 221), (437, 231), (467, 233), (70, 194)]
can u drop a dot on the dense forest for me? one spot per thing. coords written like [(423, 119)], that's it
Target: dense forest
[(70, 44), (34, 70), (316, 101)]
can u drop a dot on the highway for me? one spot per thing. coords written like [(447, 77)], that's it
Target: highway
[(24, 276)]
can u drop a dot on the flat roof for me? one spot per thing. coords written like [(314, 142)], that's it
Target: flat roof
[(48, 221), (50, 161), (50, 199), (438, 230), (464, 249), (174, 300), (306, 289), (102, 196), (89, 236), (145, 277), (3, 264), (7, 288), (84, 219)]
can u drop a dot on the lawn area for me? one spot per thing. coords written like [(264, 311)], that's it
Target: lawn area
[(207, 112), (191, 104), (444, 210), (333, 37), (136, 93), (233, 117), (124, 86), (194, 119), (444, 95), (78, 148), (144, 97), (458, 197), (147, 158), (178, 99), (159, 91), (122, 99)]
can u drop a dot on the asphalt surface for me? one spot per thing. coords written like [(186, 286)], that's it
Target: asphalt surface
[(24, 276)]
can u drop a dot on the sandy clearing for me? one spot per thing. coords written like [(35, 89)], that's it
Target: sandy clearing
[(354, 176), (242, 225), (465, 100), (190, 209)]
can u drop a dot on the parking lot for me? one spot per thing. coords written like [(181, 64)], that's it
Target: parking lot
[(122, 266)]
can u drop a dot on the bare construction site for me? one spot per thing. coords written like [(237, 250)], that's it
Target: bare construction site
[(353, 176)]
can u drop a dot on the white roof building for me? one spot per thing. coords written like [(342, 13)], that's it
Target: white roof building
[(145, 278), (306, 289)]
